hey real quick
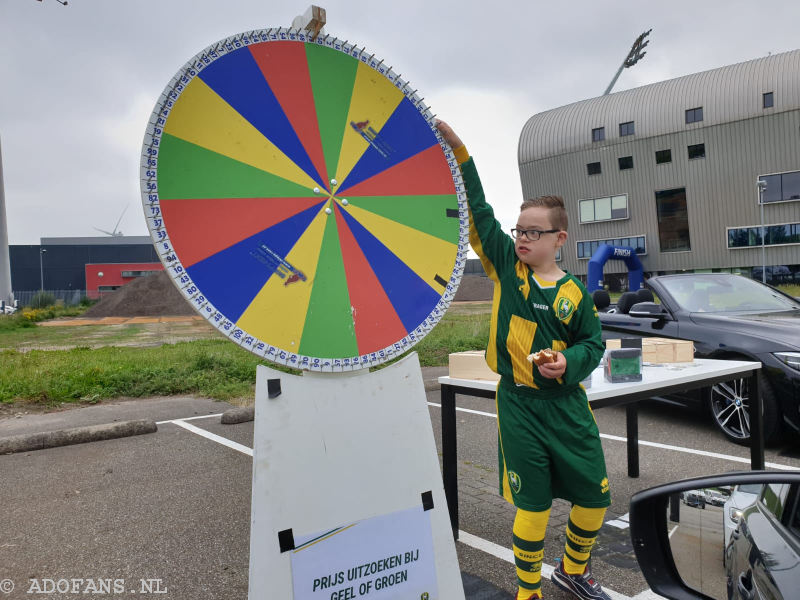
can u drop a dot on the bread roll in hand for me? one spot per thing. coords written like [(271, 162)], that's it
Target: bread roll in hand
[(542, 357)]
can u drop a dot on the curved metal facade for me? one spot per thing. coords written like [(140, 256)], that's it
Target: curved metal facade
[(742, 141), (726, 94)]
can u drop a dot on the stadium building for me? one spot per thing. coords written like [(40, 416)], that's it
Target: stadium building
[(671, 170)]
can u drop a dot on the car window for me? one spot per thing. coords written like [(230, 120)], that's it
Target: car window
[(794, 518), (773, 497), (724, 293), (750, 488)]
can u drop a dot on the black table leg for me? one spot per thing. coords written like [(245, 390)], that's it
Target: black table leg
[(756, 422), (449, 448), (632, 426)]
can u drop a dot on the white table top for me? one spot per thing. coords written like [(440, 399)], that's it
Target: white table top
[(653, 377)]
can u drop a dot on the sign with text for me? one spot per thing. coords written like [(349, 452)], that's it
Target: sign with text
[(382, 558)]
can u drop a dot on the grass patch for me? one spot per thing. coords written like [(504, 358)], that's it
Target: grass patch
[(464, 327), (28, 317), (790, 288), (211, 368), (32, 337)]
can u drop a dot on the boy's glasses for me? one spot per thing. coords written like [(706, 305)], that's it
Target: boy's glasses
[(530, 234)]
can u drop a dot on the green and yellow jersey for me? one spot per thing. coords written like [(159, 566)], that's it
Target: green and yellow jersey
[(529, 314)]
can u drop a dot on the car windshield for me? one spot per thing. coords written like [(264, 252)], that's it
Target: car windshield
[(724, 293)]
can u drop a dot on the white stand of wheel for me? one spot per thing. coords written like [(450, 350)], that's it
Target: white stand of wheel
[(347, 499)]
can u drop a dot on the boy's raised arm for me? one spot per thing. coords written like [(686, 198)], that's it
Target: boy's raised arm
[(493, 247)]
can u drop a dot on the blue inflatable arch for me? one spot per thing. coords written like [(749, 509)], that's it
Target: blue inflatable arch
[(594, 276)]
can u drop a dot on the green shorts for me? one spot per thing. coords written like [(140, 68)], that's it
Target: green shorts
[(549, 447)]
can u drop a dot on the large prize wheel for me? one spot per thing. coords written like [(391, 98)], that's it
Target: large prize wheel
[(302, 200)]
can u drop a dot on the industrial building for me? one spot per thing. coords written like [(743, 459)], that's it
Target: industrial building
[(73, 267), (671, 169)]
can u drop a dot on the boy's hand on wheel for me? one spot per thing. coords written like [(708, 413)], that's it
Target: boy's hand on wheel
[(449, 135)]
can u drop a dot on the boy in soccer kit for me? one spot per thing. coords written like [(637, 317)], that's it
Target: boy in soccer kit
[(548, 441)]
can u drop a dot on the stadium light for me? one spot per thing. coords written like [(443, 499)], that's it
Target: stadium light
[(634, 56)]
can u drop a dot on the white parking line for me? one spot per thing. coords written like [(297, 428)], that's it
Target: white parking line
[(621, 522), (618, 438), (189, 418), (214, 437)]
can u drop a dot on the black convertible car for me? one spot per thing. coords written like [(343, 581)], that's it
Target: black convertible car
[(727, 317)]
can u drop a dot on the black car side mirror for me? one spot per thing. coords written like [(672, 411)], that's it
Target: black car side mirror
[(712, 537), (648, 310)]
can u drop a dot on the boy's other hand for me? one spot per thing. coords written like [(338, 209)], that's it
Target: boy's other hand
[(554, 370), (448, 134)]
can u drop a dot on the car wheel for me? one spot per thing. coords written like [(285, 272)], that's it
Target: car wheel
[(729, 404)]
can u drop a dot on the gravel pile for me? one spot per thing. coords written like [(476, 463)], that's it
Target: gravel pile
[(150, 296)]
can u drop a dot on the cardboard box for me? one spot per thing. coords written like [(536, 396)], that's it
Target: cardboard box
[(661, 350), (471, 365)]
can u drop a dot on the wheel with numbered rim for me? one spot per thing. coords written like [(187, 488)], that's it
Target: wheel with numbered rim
[(301, 199)]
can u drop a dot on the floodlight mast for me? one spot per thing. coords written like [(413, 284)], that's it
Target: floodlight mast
[(634, 56)]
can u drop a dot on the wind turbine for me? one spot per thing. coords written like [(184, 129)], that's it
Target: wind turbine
[(114, 233)]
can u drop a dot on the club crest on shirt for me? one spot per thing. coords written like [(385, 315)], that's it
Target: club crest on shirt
[(564, 308), (604, 485), (514, 481)]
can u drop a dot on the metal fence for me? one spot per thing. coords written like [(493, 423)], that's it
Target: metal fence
[(67, 297)]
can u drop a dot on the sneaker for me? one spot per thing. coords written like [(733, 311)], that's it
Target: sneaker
[(583, 586)]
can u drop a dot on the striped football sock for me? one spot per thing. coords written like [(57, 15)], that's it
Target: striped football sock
[(582, 528), (529, 529)]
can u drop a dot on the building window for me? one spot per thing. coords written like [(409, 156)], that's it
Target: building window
[(138, 273), (673, 220), (769, 100), (593, 168), (781, 187), (586, 248), (774, 235), (558, 254), (694, 115), (626, 129), (697, 151), (607, 208), (625, 162), (599, 134), (663, 156)]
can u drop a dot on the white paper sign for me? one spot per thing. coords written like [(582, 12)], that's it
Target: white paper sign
[(382, 558)]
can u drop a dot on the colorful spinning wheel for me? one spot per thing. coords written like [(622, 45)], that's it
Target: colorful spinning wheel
[(301, 199)]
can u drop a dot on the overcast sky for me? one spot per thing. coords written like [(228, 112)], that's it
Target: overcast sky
[(78, 82)]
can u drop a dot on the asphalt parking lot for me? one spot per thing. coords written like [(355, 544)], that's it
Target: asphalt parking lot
[(169, 512)]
